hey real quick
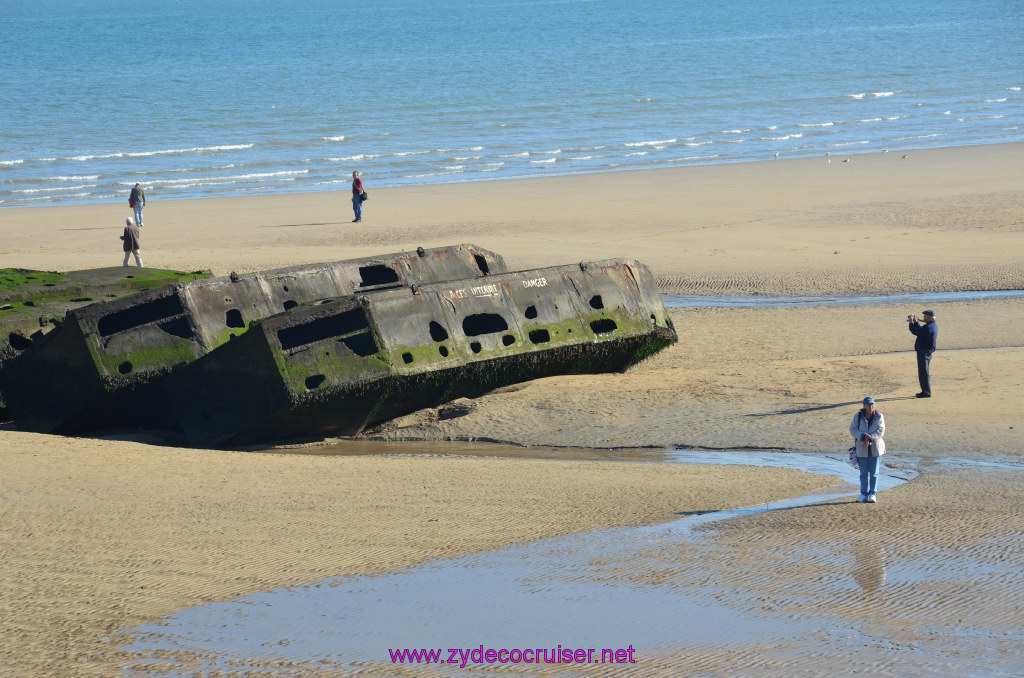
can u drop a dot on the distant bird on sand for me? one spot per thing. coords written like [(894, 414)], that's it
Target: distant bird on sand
[(847, 160), (885, 150), (904, 157)]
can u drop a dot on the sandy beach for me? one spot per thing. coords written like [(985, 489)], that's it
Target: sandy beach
[(100, 535)]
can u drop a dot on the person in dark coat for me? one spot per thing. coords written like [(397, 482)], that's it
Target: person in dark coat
[(926, 332), (137, 200), (132, 241)]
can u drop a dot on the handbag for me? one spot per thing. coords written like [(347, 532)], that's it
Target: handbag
[(853, 456), (363, 197)]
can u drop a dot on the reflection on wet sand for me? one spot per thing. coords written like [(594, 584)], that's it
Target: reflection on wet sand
[(869, 565), (765, 591)]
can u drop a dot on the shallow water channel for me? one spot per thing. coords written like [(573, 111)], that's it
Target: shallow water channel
[(688, 300), (539, 595)]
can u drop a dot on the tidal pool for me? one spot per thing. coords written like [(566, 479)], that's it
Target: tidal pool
[(688, 300), (601, 590)]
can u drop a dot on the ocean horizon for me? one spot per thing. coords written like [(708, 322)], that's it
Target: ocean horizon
[(245, 97)]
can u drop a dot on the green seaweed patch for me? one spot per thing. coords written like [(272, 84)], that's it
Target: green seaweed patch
[(332, 362), (158, 277), (659, 343), (145, 360), (228, 334), (80, 287), (428, 354), (625, 325), (17, 278), (558, 334), (34, 300)]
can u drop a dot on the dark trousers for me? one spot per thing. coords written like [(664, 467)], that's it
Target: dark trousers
[(923, 374)]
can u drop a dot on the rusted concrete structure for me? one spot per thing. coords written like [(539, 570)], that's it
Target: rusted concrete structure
[(32, 303), (337, 367), (99, 367)]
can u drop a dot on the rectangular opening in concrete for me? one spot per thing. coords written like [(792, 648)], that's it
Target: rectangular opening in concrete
[(157, 310), (318, 329), (603, 326), (361, 344), (483, 323), (481, 263), (378, 275)]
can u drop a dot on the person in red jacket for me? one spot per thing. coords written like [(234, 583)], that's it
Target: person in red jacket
[(357, 197)]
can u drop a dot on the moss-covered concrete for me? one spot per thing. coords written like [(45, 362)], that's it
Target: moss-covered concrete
[(18, 285), (142, 338), (33, 302), (144, 360), (229, 365), (602, 318)]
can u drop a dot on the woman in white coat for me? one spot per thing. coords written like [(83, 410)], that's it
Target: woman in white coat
[(867, 428)]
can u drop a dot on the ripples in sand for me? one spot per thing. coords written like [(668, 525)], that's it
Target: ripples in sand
[(927, 582)]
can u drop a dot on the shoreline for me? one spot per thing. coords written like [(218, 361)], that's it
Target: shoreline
[(839, 156), (836, 158), (883, 222)]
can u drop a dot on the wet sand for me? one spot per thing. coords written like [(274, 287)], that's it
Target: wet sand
[(102, 535), (783, 589)]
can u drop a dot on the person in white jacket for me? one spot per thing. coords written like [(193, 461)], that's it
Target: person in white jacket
[(867, 428)]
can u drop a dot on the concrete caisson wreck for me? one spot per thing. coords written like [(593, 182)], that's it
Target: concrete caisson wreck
[(335, 367), (33, 303), (102, 365)]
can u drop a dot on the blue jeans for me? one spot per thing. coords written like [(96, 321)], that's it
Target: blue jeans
[(138, 213), (868, 473), (357, 205)]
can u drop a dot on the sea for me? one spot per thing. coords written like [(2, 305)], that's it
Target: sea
[(196, 99)]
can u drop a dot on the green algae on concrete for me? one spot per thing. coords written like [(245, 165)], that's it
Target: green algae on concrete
[(121, 346), (322, 349), (20, 285), (36, 301), (32, 303), (336, 367)]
